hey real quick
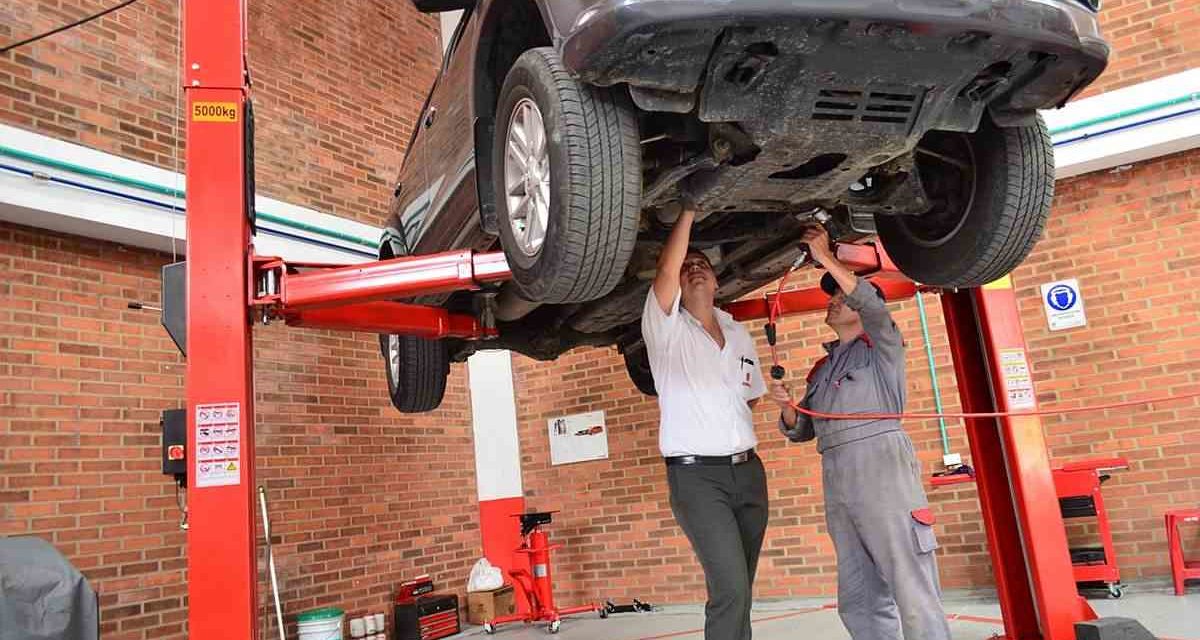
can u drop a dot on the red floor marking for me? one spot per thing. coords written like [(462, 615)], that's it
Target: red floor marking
[(791, 614), (967, 618)]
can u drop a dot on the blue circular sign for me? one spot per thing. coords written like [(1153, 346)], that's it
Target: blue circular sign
[(1061, 297)]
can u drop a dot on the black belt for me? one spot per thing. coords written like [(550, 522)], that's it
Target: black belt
[(735, 459)]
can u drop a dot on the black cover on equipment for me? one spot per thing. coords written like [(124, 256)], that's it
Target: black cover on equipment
[(42, 596)]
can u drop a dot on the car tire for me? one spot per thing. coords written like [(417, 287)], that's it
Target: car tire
[(586, 210), (637, 365), (1000, 181), (416, 370)]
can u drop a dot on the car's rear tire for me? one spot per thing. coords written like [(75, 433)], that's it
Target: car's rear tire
[(577, 200), (637, 365), (992, 191), (417, 369)]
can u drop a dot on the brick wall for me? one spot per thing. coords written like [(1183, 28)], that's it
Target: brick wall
[(109, 85), (337, 87), (352, 483), (1150, 39), (1131, 239)]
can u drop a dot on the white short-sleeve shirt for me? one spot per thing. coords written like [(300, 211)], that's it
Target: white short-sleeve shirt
[(702, 388)]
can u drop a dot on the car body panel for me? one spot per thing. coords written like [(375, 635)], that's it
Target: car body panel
[(606, 37), (437, 180)]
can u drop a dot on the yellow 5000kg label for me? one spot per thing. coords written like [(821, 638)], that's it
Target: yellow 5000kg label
[(214, 112)]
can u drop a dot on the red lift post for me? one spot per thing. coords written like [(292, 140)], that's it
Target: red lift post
[(228, 287), (1026, 537), (222, 572)]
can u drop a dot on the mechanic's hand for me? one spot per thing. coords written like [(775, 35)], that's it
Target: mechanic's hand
[(677, 210), (781, 394), (817, 239)]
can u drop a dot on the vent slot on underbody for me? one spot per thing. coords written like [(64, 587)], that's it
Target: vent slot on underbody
[(875, 106)]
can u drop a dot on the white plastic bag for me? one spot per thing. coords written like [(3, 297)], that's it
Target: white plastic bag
[(485, 577)]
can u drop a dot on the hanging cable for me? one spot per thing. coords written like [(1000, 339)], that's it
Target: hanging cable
[(178, 148), (181, 502), (777, 370), (84, 20), (933, 379)]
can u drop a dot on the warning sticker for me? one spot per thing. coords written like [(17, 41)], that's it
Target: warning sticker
[(1018, 381), (214, 112), (218, 444)]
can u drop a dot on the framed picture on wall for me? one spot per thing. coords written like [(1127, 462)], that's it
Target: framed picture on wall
[(578, 438)]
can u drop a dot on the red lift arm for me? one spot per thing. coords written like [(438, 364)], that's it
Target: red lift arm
[(1016, 491), (1026, 537), (356, 297), (383, 280)]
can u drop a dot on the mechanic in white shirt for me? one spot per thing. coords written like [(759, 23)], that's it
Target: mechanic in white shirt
[(708, 378)]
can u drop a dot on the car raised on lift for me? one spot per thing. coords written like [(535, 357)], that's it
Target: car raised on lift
[(567, 132)]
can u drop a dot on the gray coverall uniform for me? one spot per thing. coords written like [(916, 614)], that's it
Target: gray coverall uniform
[(875, 505)]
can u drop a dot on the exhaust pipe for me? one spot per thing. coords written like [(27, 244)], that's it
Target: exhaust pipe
[(511, 306)]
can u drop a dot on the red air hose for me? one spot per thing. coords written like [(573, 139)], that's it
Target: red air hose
[(989, 414), (778, 372), (772, 314)]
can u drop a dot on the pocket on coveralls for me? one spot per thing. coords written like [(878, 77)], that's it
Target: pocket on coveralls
[(923, 537)]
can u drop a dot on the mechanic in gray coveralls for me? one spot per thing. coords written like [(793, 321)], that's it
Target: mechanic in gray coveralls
[(875, 505)]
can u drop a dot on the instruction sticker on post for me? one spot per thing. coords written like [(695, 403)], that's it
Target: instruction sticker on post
[(1018, 381), (214, 112), (218, 444), (1063, 304)]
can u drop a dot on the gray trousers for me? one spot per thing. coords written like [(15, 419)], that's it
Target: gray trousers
[(887, 572), (723, 511)]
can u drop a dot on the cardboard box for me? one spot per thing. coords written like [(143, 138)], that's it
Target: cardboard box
[(483, 606)]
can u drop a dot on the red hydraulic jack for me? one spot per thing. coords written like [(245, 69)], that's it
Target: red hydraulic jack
[(538, 588), (229, 289)]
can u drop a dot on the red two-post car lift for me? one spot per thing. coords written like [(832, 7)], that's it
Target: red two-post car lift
[(229, 289)]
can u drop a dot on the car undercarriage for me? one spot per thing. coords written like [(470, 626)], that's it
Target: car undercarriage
[(914, 122)]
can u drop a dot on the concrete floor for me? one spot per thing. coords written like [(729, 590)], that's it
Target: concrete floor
[(971, 618)]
